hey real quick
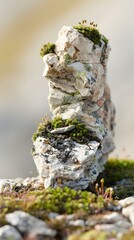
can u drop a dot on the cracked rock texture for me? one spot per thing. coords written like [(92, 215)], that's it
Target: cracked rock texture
[(78, 89)]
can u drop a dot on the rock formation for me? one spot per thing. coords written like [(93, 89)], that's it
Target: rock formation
[(71, 149)]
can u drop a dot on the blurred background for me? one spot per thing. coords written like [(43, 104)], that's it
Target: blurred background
[(24, 27)]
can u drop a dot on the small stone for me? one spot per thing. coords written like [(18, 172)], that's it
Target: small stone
[(113, 217), (28, 224), (77, 223), (63, 129), (8, 232), (53, 215)]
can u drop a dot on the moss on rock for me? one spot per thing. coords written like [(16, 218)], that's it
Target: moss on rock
[(91, 32), (79, 133), (47, 48)]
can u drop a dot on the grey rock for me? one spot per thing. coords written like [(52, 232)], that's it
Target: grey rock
[(28, 224), (8, 232), (77, 167)]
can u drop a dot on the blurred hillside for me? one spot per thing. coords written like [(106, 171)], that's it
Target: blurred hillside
[(24, 27)]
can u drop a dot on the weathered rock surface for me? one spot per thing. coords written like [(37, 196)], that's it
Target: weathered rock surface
[(78, 89), (71, 164)]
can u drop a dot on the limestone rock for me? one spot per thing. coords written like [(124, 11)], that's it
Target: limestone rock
[(74, 163), (78, 89)]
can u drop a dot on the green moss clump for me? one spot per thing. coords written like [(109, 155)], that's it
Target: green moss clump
[(80, 131), (47, 48), (120, 175), (40, 202), (90, 32)]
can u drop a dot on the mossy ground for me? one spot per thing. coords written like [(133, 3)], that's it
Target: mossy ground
[(120, 175), (84, 204)]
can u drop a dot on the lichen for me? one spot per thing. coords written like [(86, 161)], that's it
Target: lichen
[(67, 59), (47, 48), (87, 67)]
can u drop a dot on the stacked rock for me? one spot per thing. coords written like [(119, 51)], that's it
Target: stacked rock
[(71, 149)]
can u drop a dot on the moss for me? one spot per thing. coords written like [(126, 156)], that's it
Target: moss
[(90, 32), (79, 133), (47, 48), (75, 93), (104, 39), (41, 202), (120, 175), (91, 235), (87, 67), (66, 100), (41, 128), (128, 236)]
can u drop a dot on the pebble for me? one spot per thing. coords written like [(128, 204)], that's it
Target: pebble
[(53, 215), (113, 217), (28, 224), (77, 223), (8, 232)]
